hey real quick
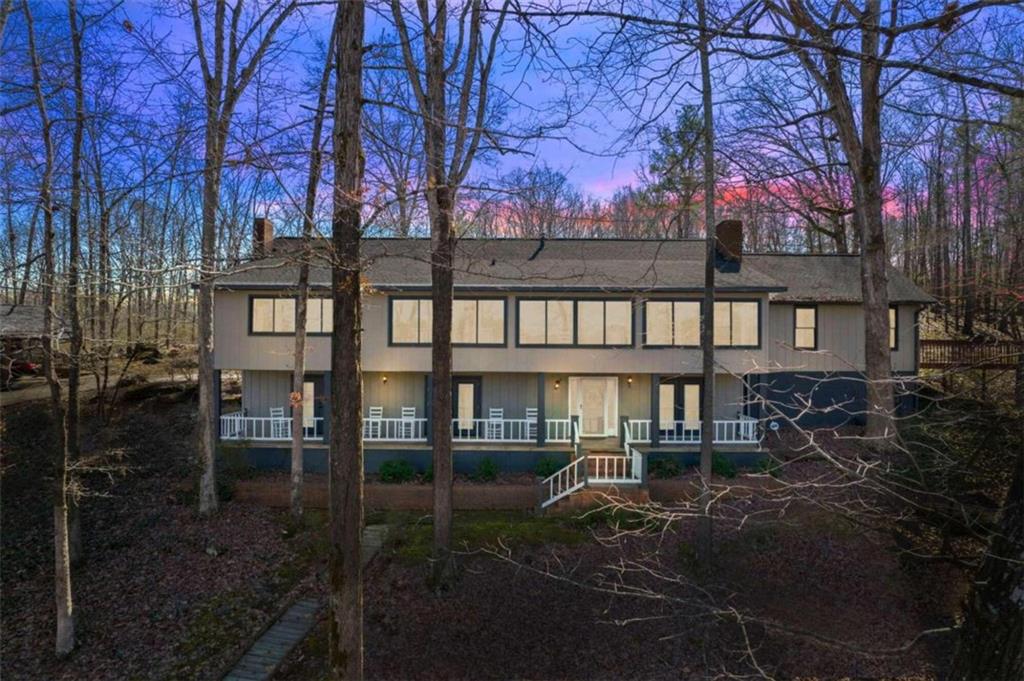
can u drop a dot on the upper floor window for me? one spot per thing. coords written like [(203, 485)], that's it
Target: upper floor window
[(893, 329), (319, 315), (737, 324), (474, 321), (604, 322), (272, 315), (598, 323), (805, 327), (672, 323)]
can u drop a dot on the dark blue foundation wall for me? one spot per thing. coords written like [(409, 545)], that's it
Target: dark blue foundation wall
[(270, 458), (751, 459), (825, 399)]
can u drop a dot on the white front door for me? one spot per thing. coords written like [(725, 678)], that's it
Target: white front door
[(596, 401)]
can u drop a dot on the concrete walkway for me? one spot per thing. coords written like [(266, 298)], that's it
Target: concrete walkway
[(268, 652)]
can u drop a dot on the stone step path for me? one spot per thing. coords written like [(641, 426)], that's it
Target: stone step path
[(268, 652)]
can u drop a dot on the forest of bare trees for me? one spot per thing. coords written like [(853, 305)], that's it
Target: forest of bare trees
[(139, 147)]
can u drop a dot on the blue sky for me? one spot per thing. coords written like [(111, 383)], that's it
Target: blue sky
[(597, 161)]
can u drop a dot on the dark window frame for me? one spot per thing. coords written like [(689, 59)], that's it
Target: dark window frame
[(321, 298), (805, 306), (421, 344), (895, 328), (658, 346), (575, 323), (263, 296), (760, 312)]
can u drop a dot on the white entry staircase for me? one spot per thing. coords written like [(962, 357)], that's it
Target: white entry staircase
[(598, 468)]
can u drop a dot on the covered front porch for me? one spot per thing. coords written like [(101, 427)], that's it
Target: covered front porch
[(520, 410)]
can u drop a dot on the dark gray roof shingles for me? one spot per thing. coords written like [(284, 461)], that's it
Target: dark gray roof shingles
[(567, 264)]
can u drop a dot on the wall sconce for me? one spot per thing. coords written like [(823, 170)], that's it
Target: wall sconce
[(558, 383), (384, 379), (629, 381)]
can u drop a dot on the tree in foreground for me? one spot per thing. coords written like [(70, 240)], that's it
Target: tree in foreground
[(226, 73), (346, 464), (65, 636), (316, 156), (451, 140)]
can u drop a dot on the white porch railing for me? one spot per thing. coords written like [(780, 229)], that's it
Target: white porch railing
[(235, 426), (395, 430), (494, 430), (743, 430), (558, 430)]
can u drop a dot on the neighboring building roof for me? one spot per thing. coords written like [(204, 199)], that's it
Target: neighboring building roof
[(829, 278), (571, 264), (21, 321)]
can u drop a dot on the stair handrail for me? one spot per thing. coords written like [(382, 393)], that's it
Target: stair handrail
[(564, 481)]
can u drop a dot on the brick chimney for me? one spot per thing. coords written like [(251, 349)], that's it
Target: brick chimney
[(262, 237), (729, 245)]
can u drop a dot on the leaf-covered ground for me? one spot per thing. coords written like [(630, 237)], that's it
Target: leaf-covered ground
[(162, 593), (818, 598)]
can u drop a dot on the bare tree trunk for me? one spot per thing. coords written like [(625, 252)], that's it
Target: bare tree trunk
[(707, 335), (206, 426), (346, 468), (302, 304), (967, 273), (225, 78), (441, 276), (65, 625), (71, 423), (874, 256)]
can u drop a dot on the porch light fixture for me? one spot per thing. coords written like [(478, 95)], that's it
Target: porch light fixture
[(384, 379), (557, 384), (629, 380)]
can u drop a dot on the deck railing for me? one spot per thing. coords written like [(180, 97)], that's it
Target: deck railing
[(235, 426), (948, 354), (726, 431)]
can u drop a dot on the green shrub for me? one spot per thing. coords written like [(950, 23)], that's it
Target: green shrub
[(769, 465), (546, 467), (396, 470), (722, 466), (428, 474), (486, 470), (663, 468)]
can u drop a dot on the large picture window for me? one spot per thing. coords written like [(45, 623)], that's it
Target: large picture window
[(272, 315), (474, 321), (805, 327), (594, 323), (672, 323), (737, 324)]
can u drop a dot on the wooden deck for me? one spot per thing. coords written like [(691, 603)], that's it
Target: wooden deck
[(953, 354)]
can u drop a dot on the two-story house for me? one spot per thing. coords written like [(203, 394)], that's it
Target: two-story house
[(559, 343)]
